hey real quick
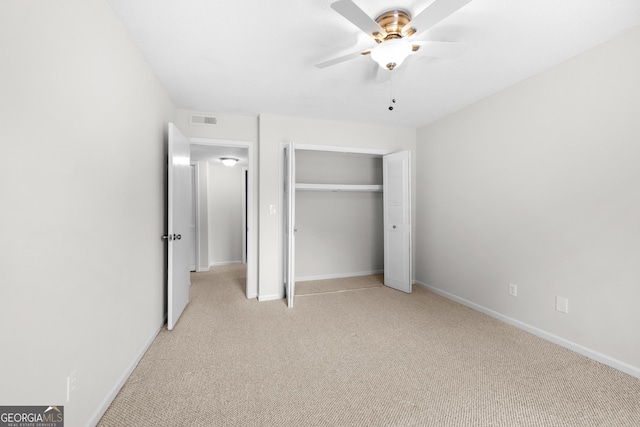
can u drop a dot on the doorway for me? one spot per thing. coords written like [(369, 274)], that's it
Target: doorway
[(225, 229)]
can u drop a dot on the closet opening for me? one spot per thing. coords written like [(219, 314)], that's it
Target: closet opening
[(334, 220)]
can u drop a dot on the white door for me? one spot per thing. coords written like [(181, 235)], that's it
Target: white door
[(289, 222), (396, 172), (179, 219)]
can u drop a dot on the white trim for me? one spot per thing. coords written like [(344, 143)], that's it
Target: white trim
[(281, 220), (219, 263), (271, 297), (289, 215), (245, 185), (202, 270), (338, 276), (338, 188), (195, 215), (587, 352), (252, 295), (219, 142), (123, 379), (340, 149)]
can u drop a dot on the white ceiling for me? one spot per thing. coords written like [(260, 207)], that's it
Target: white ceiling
[(250, 57)]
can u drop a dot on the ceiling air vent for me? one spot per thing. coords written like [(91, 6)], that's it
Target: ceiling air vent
[(202, 120)]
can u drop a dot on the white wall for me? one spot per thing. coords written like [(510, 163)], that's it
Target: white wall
[(539, 186), (81, 172), (273, 132), (237, 128), (225, 214)]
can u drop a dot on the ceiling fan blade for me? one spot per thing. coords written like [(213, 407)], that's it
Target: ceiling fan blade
[(357, 17), (343, 58), (434, 13), (435, 49)]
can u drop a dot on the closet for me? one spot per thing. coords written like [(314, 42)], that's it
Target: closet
[(346, 213)]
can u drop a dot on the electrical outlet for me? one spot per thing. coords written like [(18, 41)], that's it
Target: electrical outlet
[(72, 384), (513, 290), (562, 305)]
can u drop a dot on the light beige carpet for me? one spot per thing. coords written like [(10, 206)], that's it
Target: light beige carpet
[(311, 287), (373, 357)]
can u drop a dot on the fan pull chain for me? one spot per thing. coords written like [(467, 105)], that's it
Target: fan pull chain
[(392, 100)]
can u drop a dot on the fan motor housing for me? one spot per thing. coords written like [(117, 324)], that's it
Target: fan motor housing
[(394, 22)]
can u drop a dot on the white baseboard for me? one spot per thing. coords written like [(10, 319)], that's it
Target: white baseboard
[(271, 297), (252, 295), (338, 276), (587, 352), (123, 378), (219, 263), (202, 270)]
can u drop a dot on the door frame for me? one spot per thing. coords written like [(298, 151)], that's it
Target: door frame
[(194, 217), (251, 289), (245, 185), (196, 207)]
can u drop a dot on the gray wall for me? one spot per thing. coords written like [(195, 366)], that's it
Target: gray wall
[(339, 233), (225, 214), (539, 186), (81, 183)]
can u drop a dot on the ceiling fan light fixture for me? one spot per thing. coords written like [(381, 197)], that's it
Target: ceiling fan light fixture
[(228, 161), (391, 53)]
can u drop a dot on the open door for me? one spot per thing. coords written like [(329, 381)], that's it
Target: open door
[(289, 221), (396, 173), (179, 219)]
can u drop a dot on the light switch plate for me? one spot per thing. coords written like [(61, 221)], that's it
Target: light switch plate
[(562, 304)]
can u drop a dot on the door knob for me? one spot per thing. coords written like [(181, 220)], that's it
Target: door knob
[(166, 237), (177, 237)]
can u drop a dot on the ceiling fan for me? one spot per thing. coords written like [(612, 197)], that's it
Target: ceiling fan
[(394, 33)]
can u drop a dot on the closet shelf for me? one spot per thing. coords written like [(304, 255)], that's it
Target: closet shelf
[(338, 187)]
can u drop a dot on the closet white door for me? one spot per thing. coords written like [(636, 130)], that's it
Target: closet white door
[(396, 173), (289, 221)]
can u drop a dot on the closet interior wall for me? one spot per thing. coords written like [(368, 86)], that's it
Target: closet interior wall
[(339, 233)]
